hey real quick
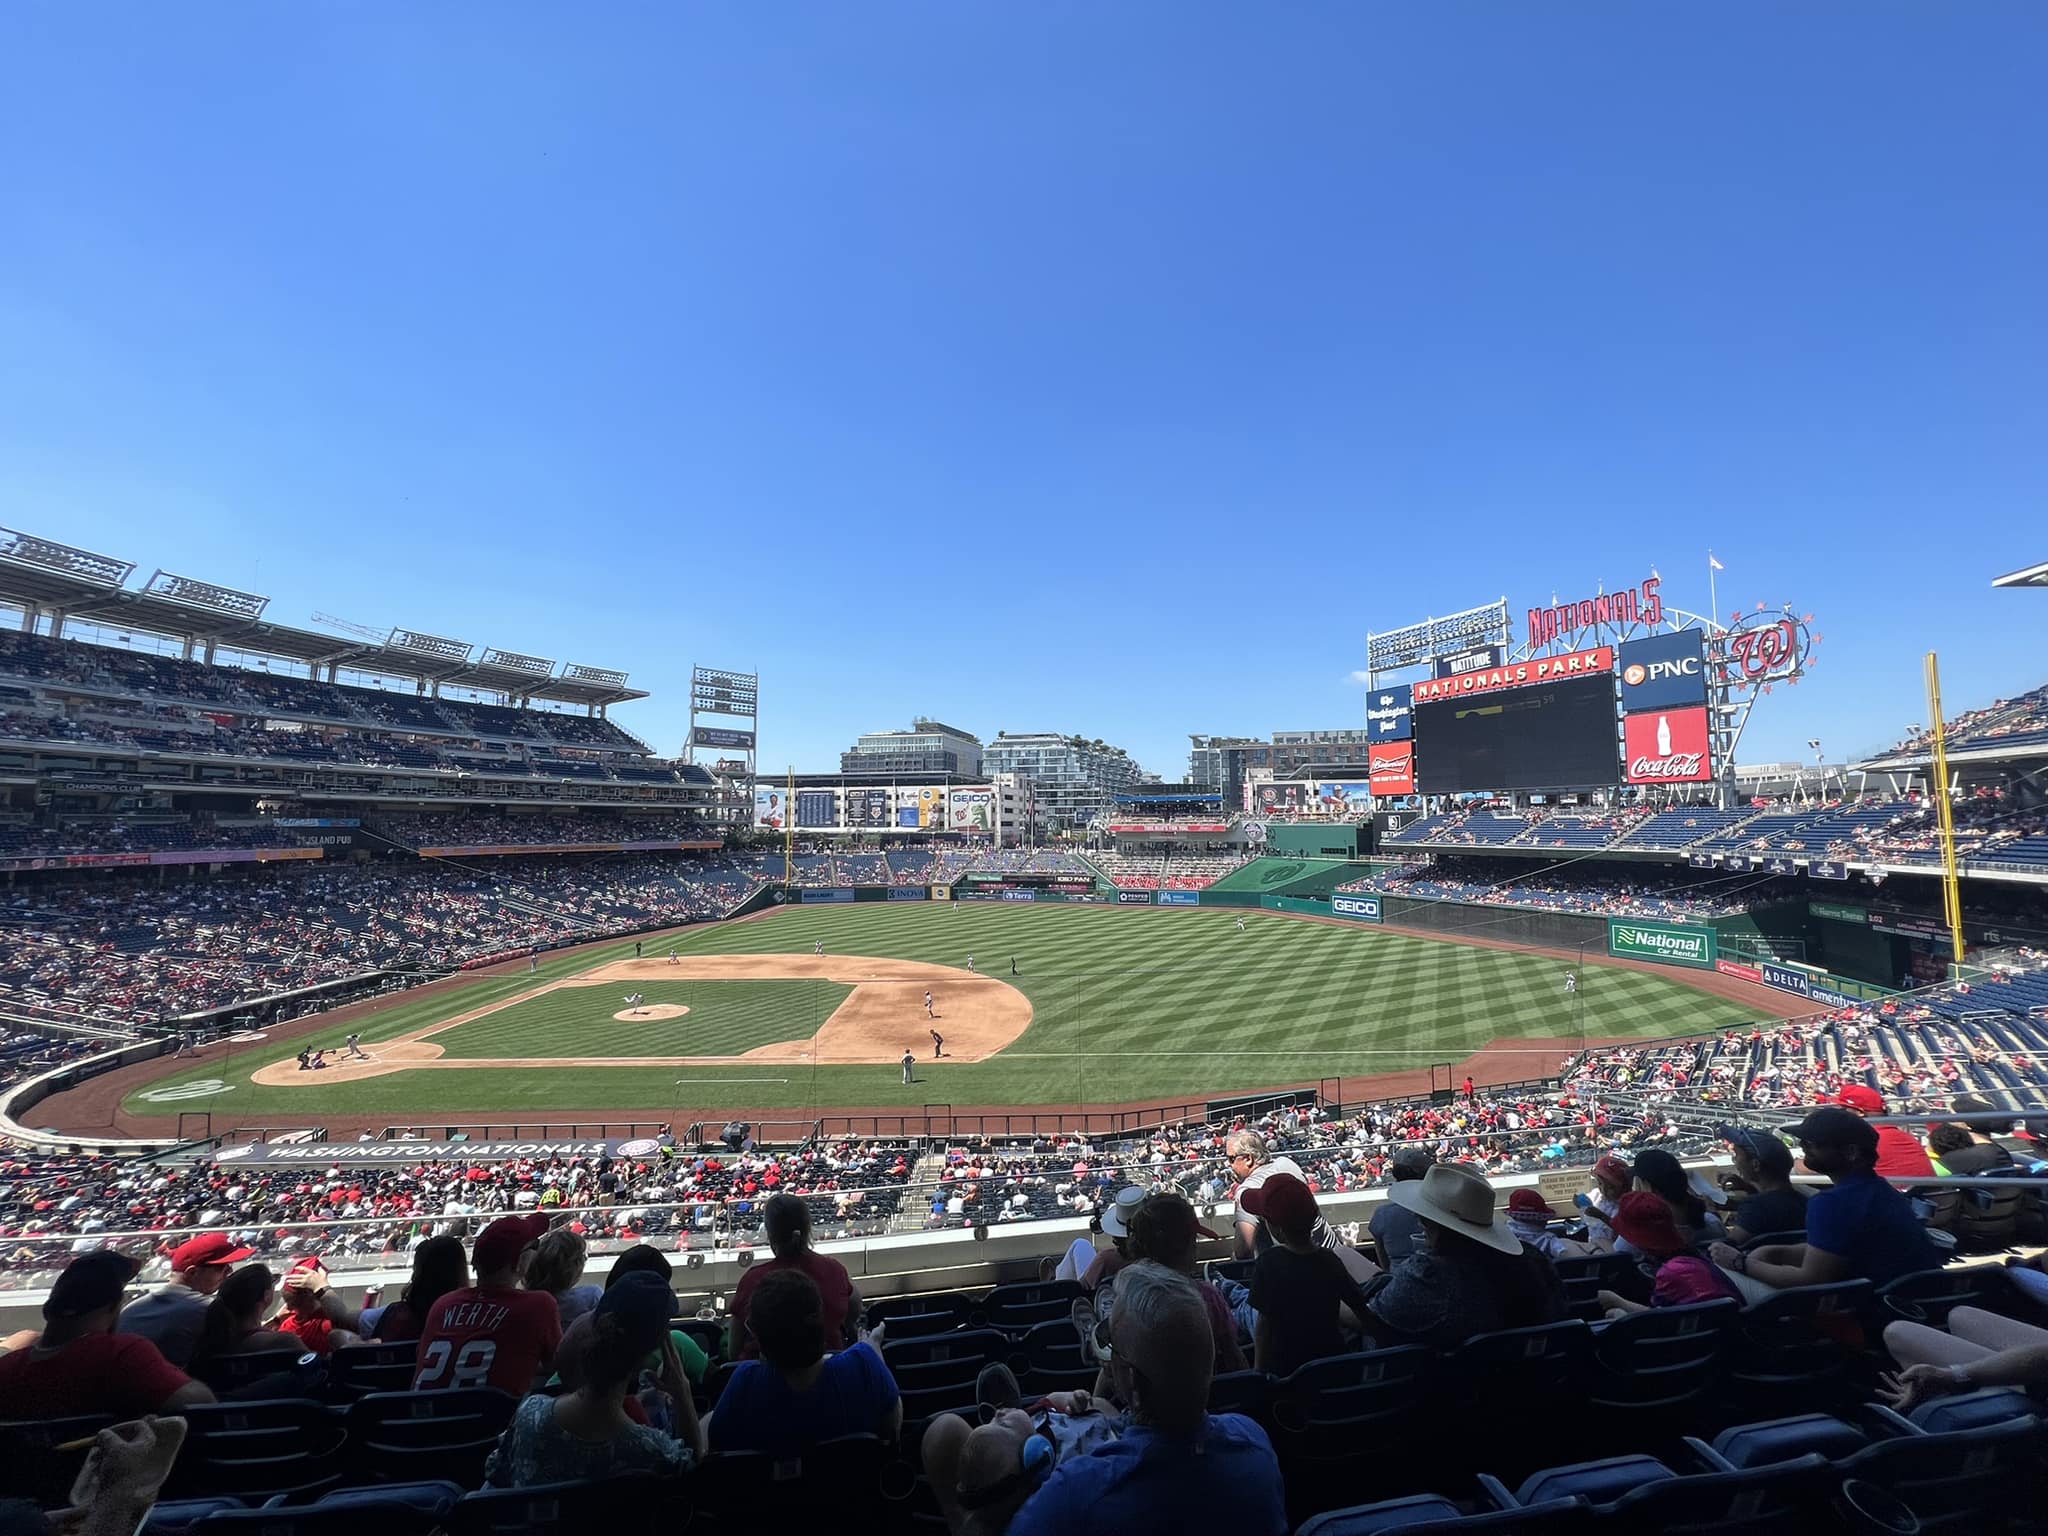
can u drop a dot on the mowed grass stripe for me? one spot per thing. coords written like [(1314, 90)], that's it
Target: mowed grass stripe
[(1127, 1004)]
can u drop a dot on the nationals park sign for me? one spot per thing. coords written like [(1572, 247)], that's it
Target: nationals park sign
[(1596, 661), (1663, 943)]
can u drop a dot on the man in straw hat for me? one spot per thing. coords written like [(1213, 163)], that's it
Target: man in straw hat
[(1471, 1275)]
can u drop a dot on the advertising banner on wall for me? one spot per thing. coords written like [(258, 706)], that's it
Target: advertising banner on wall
[(771, 810), (870, 808), (1360, 909), (1134, 898), (834, 893), (1835, 912), (1664, 943), (1479, 658), (1178, 898), (1390, 714), (729, 741), (930, 804), (1667, 747), (816, 808), (1591, 662), (1664, 671), (1785, 979), (1392, 768), (1738, 970), (972, 811), (906, 893), (1828, 869)]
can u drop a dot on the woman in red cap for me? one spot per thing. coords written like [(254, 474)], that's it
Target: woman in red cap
[(1644, 1221)]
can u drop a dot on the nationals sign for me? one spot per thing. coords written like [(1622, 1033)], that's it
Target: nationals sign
[(1641, 605), (1542, 669), (1392, 768), (1667, 747)]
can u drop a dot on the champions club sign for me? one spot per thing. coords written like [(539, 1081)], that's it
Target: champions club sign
[(1593, 662)]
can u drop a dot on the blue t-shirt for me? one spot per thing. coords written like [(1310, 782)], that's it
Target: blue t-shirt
[(758, 1411), (1227, 1479), (1863, 1220)]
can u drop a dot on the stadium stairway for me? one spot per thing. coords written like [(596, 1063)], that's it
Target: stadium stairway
[(924, 1173)]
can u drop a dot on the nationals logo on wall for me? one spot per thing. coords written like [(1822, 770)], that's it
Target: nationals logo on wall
[(1667, 747), (1392, 767)]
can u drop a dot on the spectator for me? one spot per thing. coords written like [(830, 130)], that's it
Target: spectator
[(1677, 1275), (1529, 1218), (586, 1432), (1974, 1152), (1116, 1227), (1164, 1230), (438, 1267), (236, 1315), (80, 1365), (1857, 1228), (1472, 1274), (1664, 1176), (1396, 1229), (558, 1263), (307, 1316), (1980, 1349), (645, 1258), (796, 1394), (492, 1333), (1253, 1161), (1899, 1153), (1176, 1466), (172, 1316), (1297, 1287), (786, 1220), (1763, 1168)]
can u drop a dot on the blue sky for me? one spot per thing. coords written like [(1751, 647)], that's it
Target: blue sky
[(1099, 368)]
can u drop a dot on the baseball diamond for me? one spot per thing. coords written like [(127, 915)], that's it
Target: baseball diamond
[(1107, 1005)]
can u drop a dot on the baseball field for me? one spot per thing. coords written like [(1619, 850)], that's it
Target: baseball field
[(1104, 1006)]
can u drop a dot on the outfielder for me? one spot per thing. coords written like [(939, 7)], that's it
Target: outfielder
[(970, 962), (818, 948), (909, 1066), (1571, 983), (1240, 925)]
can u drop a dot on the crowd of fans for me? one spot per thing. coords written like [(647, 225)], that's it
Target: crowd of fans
[(129, 950), (1170, 870), (1608, 890), (493, 828)]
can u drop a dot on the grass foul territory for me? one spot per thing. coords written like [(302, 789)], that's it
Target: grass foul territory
[(1106, 1006)]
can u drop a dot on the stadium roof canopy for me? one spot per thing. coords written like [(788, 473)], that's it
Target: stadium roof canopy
[(2032, 576), (36, 572)]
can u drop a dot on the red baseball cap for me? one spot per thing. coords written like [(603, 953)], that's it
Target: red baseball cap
[(1526, 1202), (1283, 1200), (501, 1243), (1865, 1101), (207, 1248), (1645, 1220)]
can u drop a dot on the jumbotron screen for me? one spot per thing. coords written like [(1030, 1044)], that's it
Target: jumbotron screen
[(1546, 736)]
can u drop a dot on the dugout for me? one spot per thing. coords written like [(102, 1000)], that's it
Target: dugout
[(1316, 840)]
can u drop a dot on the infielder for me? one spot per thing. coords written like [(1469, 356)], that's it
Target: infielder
[(672, 960), (909, 1066), (938, 1044), (928, 1006)]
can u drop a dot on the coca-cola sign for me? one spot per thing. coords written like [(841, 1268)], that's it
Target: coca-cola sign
[(1667, 747)]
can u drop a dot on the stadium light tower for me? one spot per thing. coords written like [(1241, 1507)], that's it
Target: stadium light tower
[(2032, 576)]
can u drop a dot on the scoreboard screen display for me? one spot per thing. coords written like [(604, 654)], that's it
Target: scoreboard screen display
[(1558, 735)]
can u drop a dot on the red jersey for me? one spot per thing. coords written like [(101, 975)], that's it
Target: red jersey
[(492, 1336), (828, 1274), (1900, 1154), (123, 1374)]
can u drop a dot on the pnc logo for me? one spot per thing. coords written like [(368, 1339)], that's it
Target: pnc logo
[(1634, 674)]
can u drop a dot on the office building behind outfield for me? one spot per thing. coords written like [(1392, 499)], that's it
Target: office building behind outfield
[(1231, 764), (877, 808), (929, 746), (1073, 779)]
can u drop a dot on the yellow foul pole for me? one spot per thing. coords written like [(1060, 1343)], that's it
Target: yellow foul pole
[(1951, 891), (789, 829)]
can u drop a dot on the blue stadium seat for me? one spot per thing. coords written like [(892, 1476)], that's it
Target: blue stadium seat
[(412, 1437), (1245, 1392), (269, 1446), (1641, 1493), (936, 1374), (1787, 1439), (1802, 1348), (415, 1509), (1056, 1364), (1337, 1420), (232, 1373), (360, 1368), (1661, 1360), (572, 1508), (178, 1517), (1440, 1517), (1546, 1363), (837, 1483), (913, 1317), (31, 1466), (1014, 1308)]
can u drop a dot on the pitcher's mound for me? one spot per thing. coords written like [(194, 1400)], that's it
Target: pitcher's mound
[(651, 1011)]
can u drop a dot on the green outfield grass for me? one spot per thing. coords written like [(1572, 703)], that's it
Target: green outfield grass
[(1128, 1005)]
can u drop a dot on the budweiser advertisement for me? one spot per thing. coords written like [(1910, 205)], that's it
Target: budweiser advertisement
[(1520, 674), (1392, 766), (1667, 746)]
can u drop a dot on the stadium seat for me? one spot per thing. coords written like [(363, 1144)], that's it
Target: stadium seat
[(836, 1483), (1055, 1361), (1245, 1392), (413, 1509), (914, 1317), (1774, 1440), (1440, 1517), (360, 1368), (1801, 1348), (1641, 1493), (936, 1374), (709, 1335), (1987, 1220), (1585, 1278), (180, 1517), (1545, 1363), (257, 1449), (1338, 1420), (31, 1466), (227, 1374), (1014, 1308), (1962, 1480), (571, 1508), (411, 1437), (1658, 1361), (1929, 1295)]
